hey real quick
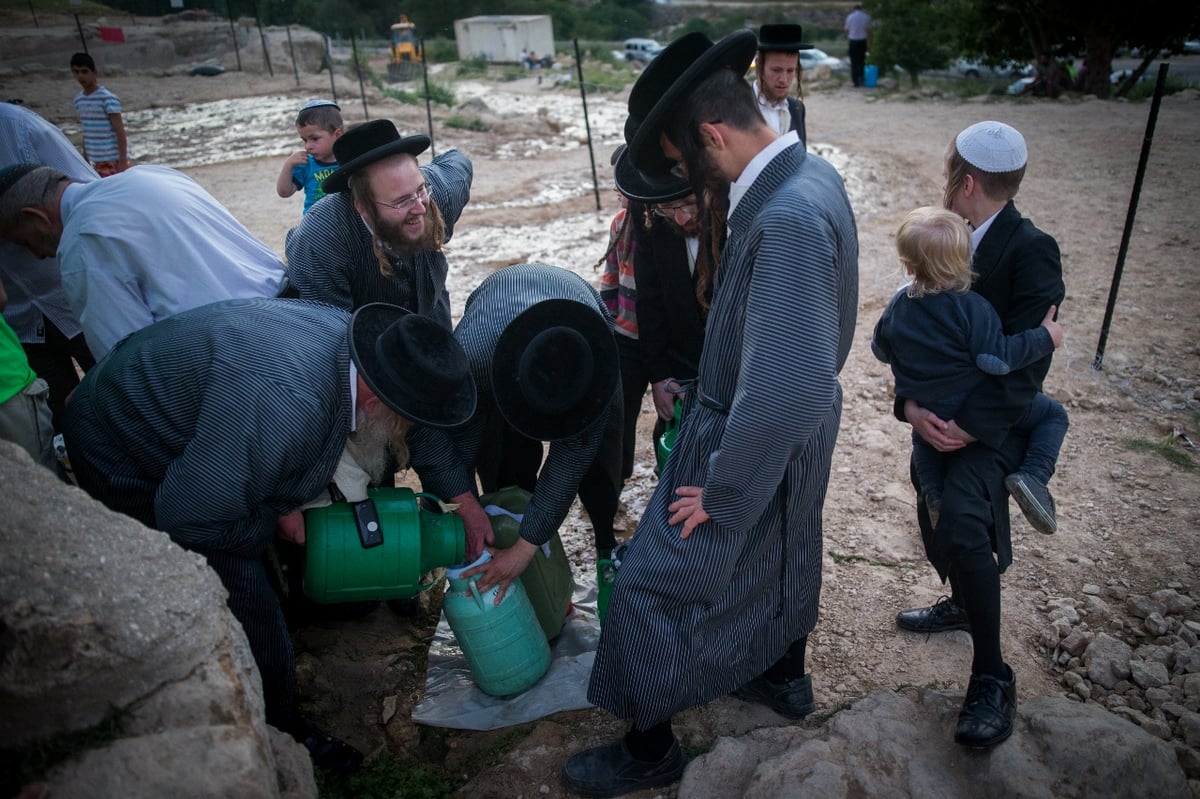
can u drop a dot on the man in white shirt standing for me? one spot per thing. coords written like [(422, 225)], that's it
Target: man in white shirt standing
[(776, 68), (134, 248), (858, 29)]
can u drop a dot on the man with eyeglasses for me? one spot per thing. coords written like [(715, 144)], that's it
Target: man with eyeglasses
[(719, 588), (673, 283), (377, 235)]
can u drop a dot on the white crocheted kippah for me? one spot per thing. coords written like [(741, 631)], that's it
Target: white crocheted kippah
[(992, 147)]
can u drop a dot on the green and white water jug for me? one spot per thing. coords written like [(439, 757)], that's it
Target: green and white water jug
[(378, 548), (504, 644)]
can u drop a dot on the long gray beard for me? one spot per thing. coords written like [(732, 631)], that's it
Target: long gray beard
[(370, 445)]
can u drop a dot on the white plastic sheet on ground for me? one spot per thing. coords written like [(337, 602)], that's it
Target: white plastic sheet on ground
[(452, 699)]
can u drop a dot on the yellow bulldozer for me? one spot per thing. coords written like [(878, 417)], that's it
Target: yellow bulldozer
[(407, 53)]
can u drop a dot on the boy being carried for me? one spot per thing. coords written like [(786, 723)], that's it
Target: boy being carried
[(940, 339), (319, 125)]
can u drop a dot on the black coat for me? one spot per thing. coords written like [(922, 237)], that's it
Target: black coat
[(670, 320)]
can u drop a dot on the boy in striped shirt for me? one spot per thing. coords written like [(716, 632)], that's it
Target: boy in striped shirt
[(104, 143)]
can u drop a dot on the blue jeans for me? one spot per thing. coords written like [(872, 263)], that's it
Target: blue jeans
[(1046, 423)]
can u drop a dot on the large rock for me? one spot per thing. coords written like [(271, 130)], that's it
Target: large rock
[(98, 612), (889, 745)]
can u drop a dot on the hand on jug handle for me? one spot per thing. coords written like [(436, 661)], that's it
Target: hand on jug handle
[(476, 524), (505, 566), (290, 526)]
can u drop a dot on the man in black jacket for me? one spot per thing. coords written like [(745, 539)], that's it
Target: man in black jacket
[(1019, 272), (777, 66)]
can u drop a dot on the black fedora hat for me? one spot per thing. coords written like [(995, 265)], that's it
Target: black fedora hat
[(784, 38), (670, 78), (555, 369), (413, 364), (365, 144), (637, 185)]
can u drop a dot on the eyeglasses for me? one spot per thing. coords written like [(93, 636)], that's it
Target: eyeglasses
[(404, 203), (688, 210)]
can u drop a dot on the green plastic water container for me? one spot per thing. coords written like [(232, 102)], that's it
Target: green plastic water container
[(666, 441), (379, 548), (504, 644), (548, 581)]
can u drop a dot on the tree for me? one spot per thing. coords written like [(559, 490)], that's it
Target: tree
[(1020, 29), (915, 35)]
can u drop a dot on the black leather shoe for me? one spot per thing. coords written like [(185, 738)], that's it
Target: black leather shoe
[(792, 699), (989, 711), (942, 616), (612, 771), (1035, 501), (328, 753)]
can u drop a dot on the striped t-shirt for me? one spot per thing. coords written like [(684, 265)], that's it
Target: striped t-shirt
[(99, 138)]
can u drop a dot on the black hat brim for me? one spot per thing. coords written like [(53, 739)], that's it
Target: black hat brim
[(404, 397), (734, 52), (588, 322), (339, 180), (637, 185)]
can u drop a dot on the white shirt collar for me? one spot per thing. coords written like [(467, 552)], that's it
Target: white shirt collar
[(757, 164), (978, 233)]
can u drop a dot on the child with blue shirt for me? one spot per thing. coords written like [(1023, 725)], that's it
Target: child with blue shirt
[(319, 124), (941, 339)]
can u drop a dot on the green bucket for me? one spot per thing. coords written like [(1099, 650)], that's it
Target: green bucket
[(379, 548)]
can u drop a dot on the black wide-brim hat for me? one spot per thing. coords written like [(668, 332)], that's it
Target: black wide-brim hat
[(669, 78), (554, 370), (784, 38), (365, 144), (639, 186), (413, 364)]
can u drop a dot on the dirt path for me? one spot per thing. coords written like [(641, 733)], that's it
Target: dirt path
[(1126, 516)]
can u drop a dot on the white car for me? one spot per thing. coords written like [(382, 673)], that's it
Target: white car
[(642, 50), (810, 59), (974, 68)]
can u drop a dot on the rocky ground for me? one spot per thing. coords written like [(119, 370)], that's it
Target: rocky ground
[(1121, 571)]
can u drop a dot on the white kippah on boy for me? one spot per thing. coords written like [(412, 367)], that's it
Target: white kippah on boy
[(992, 147)]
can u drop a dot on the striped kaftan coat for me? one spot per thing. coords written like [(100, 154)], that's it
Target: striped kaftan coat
[(691, 620), (331, 258), (210, 424), (444, 459)]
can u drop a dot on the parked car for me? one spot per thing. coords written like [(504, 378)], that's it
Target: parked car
[(1191, 47), (975, 68), (641, 50), (810, 59)]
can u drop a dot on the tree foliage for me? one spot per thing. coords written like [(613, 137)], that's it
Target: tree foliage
[(919, 35), (915, 35)]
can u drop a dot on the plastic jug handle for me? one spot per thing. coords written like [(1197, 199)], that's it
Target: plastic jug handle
[(445, 507), (474, 589)]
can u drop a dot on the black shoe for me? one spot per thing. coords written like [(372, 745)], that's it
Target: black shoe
[(942, 616), (988, 713), (1034, 500), (792, 699), (612, 771), (933, 505), (328, 753)]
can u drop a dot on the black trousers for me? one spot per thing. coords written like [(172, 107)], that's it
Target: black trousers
[(507, 458), (858, 59), (54, 361)]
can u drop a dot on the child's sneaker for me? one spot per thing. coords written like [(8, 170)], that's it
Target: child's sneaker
[(1034, 499), (933, 504)]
